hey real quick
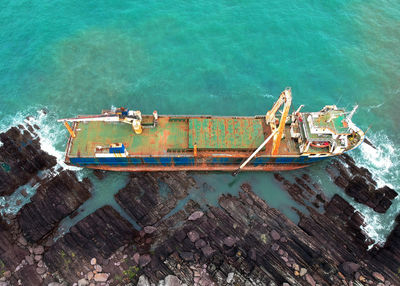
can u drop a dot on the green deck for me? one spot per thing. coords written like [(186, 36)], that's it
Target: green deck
[(336, 124), (167, 135), (171, 135), (225, 133)]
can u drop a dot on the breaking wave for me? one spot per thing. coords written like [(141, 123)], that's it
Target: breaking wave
[(51, 133), (384, 164)]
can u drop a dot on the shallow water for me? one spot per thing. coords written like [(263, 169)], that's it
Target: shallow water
[(209, 57)]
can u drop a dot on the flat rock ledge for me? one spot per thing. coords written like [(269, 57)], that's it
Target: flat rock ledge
[(56, 198)]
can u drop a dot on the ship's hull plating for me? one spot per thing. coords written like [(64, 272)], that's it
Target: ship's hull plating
[(134, 164)]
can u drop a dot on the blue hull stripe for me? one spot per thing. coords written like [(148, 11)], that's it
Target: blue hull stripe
[(190, 161)]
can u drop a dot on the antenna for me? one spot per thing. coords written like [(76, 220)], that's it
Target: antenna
[(340, 98), (352, 113)]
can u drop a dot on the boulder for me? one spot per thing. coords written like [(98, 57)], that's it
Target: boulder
[(172, 280), (275, 235), (193, 236), (378, 276), (83, 282), (229, 241), (143, 281), (196, 215), (149, 229), (101, 277), (144, 260), (349, 267), (38, 250)]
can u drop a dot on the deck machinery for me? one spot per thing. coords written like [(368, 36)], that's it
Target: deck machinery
[(125, 140)]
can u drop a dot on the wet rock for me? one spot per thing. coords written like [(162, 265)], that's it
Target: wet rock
[(98, 235), (358, 183), (100, 174), (55, 199), (21, 158), (141, 198)]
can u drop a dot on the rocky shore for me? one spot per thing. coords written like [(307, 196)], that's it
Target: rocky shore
[(358, 183), (242, 241)]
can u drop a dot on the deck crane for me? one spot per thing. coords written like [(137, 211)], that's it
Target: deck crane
[(270, 119), (123, 115), (276, 133)]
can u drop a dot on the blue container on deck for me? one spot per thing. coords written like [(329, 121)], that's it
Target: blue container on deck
[(117, 148)]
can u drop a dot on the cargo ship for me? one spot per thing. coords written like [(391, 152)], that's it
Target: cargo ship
[(125, 140)]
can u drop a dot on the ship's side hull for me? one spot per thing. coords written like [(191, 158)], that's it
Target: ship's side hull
[(190, 163)]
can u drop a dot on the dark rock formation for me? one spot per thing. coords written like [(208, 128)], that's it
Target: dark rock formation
[(56, 198), (303, 190), (10, 253), (389, 255), (246, 241), (97, 236), (358, 183), (20, 158), (146, 201)]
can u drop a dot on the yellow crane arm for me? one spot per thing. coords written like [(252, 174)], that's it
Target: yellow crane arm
[(270, 116), (287, 98)]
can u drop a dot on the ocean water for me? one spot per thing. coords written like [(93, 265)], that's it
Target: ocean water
[(206, 57)]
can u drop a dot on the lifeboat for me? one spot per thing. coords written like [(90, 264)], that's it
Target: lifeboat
[(319, 144)]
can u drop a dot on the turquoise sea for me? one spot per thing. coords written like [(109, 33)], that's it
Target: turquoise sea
[(206, 57)]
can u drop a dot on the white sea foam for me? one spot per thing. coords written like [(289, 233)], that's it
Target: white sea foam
[(50, 133), (374, 106), (384, 163), (267, 95)]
